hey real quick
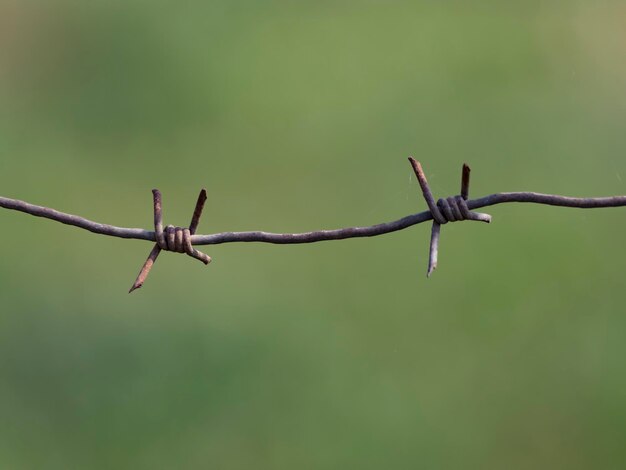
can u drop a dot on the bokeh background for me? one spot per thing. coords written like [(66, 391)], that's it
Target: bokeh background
[(298, 116)]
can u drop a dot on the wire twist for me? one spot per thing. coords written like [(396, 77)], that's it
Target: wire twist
[(450, 209), (176, 239)]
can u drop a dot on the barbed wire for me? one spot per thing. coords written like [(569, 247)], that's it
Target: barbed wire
[(181, 240)]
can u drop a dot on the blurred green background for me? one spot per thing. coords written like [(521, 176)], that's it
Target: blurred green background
[(299, 116)]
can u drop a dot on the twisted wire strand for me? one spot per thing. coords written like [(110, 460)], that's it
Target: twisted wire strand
[(450, 209), (178, 239), (259, 236)]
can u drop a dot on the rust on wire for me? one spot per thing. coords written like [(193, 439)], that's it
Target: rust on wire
[(450, 209), (181, 240), (465, 180), (175, 239)]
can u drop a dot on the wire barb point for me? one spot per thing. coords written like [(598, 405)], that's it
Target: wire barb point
[(175, 239), (450, 209)]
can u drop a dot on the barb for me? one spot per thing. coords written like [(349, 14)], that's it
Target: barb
[(451, 209), (177, 239)]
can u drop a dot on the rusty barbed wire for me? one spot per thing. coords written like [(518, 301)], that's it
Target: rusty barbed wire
[(173, 239), (181, 240)]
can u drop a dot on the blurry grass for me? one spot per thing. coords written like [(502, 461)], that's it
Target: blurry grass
[(298, 116)]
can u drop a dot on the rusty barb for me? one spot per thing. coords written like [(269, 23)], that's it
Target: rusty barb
[(175, 239), (182, 240), (451, 209)]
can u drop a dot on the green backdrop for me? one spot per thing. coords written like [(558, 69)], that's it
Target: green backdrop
[(298, 116)]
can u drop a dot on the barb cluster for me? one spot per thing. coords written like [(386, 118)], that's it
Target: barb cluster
[(451, 209), (175, 239)]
